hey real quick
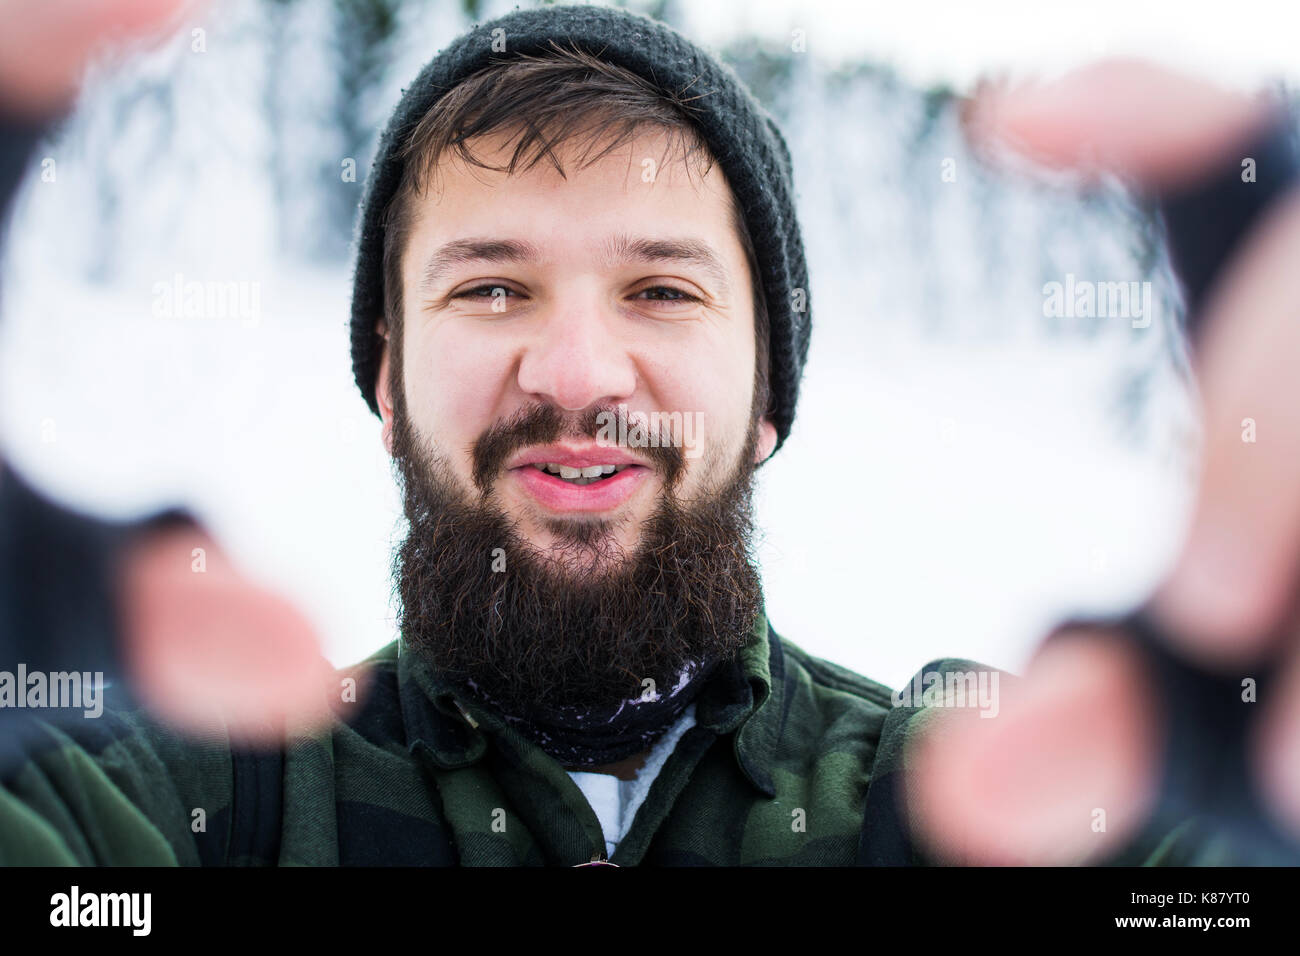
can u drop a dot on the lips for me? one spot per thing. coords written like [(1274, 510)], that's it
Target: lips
[(574, 456), (600, 491)]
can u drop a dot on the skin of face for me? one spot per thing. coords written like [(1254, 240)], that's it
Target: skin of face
[(578, 326)]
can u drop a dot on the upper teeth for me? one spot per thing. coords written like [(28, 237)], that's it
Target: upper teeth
[(591, 471)]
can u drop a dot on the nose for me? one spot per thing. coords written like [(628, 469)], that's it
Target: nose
[(578, 359)]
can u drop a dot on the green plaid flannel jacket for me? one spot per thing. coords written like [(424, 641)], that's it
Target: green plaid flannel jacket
[(793, 761)]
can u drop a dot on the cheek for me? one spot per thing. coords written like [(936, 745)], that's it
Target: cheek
[(453, 384), (715, 377), (715, 388)]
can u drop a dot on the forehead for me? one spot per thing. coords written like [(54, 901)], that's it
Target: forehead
[(645, 185)]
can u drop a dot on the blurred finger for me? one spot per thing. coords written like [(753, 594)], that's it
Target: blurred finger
[(210, 651), (1155, 126), (45, 46), (1063, 774), (1235, 577)]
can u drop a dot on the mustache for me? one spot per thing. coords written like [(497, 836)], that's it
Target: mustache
[(545, 423)]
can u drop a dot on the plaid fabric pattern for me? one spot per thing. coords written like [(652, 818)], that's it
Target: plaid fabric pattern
[(793, 761)]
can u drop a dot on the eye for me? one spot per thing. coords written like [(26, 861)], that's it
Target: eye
[(484, 292), (674, 294)]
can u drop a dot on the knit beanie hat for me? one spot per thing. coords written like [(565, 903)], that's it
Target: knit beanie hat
[(742, 137)]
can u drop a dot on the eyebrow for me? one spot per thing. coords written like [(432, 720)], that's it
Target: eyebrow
[(618, 250)]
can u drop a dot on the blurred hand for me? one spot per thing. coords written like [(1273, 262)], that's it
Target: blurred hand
[(206, 649), (45, 45), (1079, 733)]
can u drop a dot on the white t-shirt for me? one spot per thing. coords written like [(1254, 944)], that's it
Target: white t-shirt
[(616, 801)]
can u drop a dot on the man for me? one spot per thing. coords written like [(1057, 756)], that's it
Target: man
[(554, 248)]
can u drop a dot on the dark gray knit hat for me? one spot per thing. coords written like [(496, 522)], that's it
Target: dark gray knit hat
[(739, 133)]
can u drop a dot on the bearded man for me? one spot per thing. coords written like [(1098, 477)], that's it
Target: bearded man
[(578, 225)]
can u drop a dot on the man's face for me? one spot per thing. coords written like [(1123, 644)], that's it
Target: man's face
[(624, 284), (559, 599)]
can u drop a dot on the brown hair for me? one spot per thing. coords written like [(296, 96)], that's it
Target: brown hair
[(546, 101)]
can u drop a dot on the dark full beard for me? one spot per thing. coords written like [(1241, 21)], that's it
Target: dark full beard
[(581, 626)]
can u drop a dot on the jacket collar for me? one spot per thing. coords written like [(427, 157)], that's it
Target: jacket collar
[(746, 696)]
